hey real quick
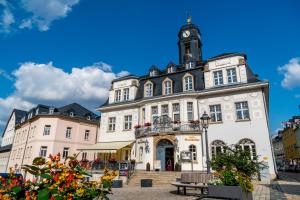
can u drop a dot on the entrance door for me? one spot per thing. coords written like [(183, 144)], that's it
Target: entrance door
[(165, 153), (169, 157)]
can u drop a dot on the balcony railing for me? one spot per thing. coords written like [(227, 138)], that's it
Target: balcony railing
[(170, 128)]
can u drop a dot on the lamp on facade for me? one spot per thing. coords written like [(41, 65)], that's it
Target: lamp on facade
[(147, 149), (204, 120)]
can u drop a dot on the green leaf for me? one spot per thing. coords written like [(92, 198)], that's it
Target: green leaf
[(46, 176), (16, 189), (43, 194)]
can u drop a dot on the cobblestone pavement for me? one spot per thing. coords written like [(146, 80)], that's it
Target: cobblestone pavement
[(286, 188)]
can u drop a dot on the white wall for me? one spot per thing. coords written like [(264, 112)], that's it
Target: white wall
[(119, 134)]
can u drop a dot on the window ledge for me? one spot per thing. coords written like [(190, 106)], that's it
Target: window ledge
[(242, 120), (127, 129), (110, 131)]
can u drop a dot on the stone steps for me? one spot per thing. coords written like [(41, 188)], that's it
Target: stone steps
[(158, 178)]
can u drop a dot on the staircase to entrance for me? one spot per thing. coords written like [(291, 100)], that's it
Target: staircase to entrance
[(159, 178)]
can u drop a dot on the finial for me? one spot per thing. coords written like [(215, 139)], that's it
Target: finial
[(189, 19)]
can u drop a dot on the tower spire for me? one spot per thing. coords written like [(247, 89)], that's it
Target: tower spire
[(189, 19)]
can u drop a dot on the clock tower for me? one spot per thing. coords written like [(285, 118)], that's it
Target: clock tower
[(189, 43)]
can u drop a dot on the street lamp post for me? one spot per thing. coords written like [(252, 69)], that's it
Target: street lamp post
[(204, 119)]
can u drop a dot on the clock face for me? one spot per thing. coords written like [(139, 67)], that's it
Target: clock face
[(186, 33)]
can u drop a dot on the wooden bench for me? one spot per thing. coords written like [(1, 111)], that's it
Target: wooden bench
[(193, 180)]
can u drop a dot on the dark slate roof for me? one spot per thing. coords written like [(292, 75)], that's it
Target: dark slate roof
[(5, 148), (130, 76), (176, 82), (19, 114), (225, 55), (78, 110)]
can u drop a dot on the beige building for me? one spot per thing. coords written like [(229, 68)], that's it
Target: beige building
[(47, 130)]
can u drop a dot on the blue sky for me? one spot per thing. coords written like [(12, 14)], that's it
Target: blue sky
[(52, 51)]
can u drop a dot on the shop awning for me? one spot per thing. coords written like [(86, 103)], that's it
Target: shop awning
[(106, 147)]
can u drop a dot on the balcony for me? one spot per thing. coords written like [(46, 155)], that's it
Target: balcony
[(167, 128)]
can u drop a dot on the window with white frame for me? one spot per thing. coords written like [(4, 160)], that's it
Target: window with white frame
[(68, 132), (148, 90), (248, 146), (165, 112), (117, 95), (51, 111), (86, 135), (112, 123), (231, 75), (126, 94), (188, 83), (176, 112), (43, 151), (71, 114), (190, 111), (193, 150), (154, 113), (47, 129), (242, 110), (215, 113), (128, 122), (218, 78), (84, 155), (65, 152), (217, 147), (167, 87)]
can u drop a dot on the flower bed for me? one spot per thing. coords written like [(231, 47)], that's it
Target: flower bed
[(56, 180)]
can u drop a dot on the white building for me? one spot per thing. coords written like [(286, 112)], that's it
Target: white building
[(8, 137), (155, 117)]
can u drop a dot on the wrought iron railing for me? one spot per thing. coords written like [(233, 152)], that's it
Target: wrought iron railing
[(166, 129)]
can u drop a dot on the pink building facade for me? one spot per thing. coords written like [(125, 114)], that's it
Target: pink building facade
[(53, 131)]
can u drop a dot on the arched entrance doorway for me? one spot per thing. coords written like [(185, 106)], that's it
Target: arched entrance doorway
[(165, 153)]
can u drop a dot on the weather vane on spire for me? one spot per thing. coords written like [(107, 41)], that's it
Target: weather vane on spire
[(189, 17)]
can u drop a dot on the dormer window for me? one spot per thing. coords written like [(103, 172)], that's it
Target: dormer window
[(117, 95), (218, 78), (148, 89), (231, 75), (171, 69), (71, 114), (188, 84), (23, 119), (126, 94), (189, 65), (51, 111), (37, 111), (88, 117), (30, 115), (153, 72), (167, 87)]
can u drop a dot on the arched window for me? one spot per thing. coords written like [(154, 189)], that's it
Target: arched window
[(217, 148), (148, 89), (249, 146), (167, 87), (193, 149), (188, 83)]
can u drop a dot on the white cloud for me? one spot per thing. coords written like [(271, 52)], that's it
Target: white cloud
[(37, 13), (47, 84), (44, 12), (291, 73), (7, 19)]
